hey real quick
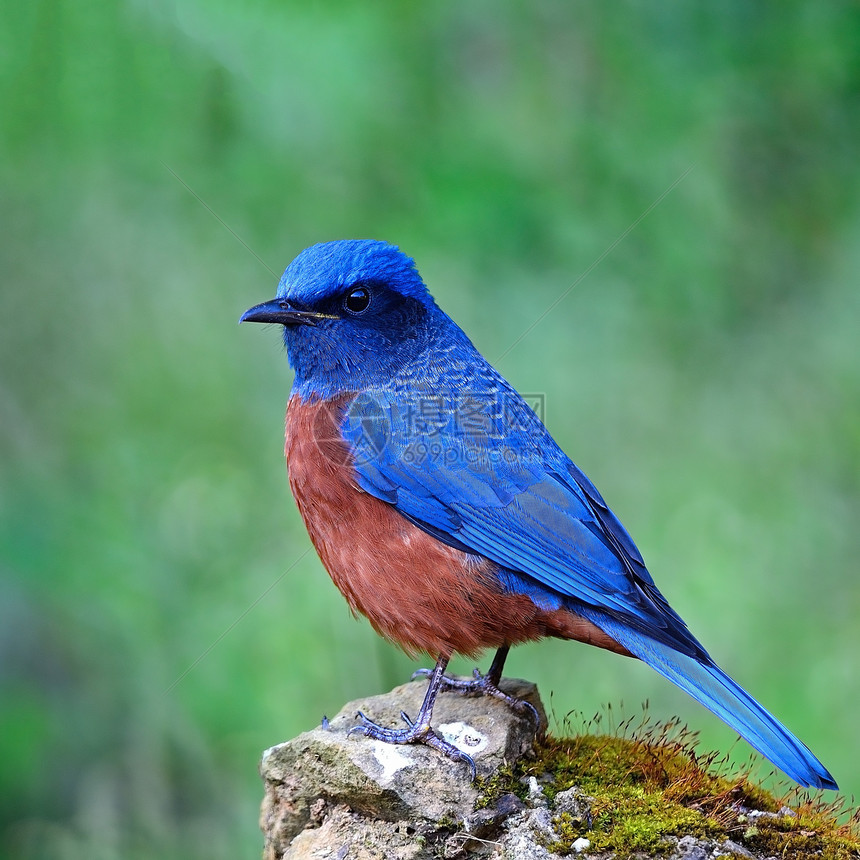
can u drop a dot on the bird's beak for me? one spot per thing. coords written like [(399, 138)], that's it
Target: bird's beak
[(281, 311)]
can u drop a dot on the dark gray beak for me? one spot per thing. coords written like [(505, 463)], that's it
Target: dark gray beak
[(281, 311)]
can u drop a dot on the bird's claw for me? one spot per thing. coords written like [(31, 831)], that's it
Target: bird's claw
[(448, 749), (365, 722), (482, 685), (521, 705), (414, 733)]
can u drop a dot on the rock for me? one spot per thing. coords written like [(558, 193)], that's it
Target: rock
[(345, 797), (691, 848), (575, 803), (333, 783), (536, 795), (346, 835)]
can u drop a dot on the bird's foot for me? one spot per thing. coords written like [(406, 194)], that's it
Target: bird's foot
[(483, 685), (418, 732)]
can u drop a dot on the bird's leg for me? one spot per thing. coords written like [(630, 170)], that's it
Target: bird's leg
[(419, 730), (485, 685)]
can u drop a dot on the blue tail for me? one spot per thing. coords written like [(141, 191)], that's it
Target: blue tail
[(708, 684)]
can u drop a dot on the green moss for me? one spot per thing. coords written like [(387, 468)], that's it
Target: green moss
[(814, 829), (506, 780), (630, 819), (447, 822), (649, 784)]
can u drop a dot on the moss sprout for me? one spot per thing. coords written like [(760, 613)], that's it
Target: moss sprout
[(645, 781)]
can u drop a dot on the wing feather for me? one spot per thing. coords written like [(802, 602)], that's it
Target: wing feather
[(510, 494)]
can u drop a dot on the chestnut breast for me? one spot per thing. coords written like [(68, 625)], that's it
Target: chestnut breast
[(415, 590)]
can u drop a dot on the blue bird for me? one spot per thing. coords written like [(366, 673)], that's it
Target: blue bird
[(444, 510)]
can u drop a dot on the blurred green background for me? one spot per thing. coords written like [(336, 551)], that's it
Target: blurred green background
[(161, 618)]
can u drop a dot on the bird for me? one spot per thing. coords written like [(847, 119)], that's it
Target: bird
[(446, 513)]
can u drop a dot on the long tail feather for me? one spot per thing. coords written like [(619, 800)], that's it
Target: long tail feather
[(708, 684)]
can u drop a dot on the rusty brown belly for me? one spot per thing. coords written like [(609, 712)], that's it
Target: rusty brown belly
[(414, 590)]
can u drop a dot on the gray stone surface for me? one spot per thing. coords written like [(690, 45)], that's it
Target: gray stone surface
[(327, 769), (334, 796)]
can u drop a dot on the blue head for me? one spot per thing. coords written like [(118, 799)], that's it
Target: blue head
[(354, 313)]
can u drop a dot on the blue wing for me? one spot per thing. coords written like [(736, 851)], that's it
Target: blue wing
[(482, 473)]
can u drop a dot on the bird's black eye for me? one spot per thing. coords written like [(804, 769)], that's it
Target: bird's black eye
[(357, 300)]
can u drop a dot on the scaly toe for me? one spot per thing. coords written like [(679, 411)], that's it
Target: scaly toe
[(414, 733)]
